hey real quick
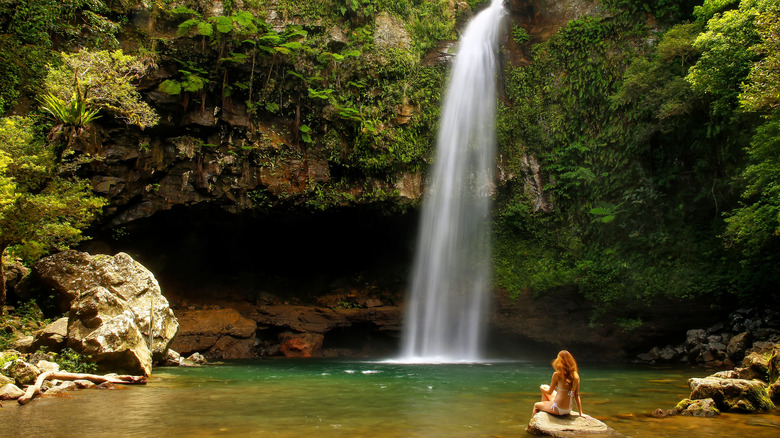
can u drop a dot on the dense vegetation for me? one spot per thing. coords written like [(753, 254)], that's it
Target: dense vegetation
[(655, 125), (658, 145)]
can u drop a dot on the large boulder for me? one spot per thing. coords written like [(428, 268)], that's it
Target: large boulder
[(103, 326), (71, 274), (217, 333), (567, 425), (737, 395)]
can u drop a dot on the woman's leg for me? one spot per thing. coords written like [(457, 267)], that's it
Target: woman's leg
[(546, 406), (545, 396)]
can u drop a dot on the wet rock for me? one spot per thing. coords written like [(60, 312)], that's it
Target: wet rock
[(774, 392), (196, 359), (695, 338), (62, 387), (4, 380), (667, 354), (85, 384), (10, 391), (738, 344), (301, 344), (774, 364), (697, 408), (715, 328), (737, 395), (217, 333), (171, 359), (567, 425), (758, 365)]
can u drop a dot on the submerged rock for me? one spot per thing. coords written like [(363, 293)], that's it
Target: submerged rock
[(697, 408), (567, 425)]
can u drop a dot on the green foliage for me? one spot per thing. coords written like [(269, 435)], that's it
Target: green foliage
[(28, 30), (635, 159), (102, 80), (520, 35), (74, 362), (667, 10), (726, 57), (44, 210), (73, 113), (26, 319)]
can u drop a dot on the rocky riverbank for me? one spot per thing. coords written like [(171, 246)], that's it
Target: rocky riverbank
[(754, 386), (722, 345)]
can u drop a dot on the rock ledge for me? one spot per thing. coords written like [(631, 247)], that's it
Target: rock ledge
[(569, 425)]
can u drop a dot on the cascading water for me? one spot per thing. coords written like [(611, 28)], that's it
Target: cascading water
[(446, 306)]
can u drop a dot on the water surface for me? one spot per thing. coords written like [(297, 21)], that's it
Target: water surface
[(326, 398)]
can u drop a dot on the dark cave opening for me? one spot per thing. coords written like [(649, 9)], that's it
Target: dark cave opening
[(204, 253), (361, 339)]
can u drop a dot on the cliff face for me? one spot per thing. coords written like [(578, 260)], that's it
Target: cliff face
[(282, 144)]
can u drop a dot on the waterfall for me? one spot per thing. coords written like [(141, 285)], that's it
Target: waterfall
[(446, 306)]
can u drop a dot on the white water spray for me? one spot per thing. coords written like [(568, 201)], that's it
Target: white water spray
[(445, 311)]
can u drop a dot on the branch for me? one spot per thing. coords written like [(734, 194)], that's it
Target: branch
[(34, 390)]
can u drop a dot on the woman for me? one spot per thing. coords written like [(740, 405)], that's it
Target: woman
[(564, 390)]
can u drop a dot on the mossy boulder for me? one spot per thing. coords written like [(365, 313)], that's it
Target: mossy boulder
[(697, 408), (737, 395), (22, 372)]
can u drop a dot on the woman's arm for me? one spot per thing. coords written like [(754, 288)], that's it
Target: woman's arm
[(549, 389), (577, 397)]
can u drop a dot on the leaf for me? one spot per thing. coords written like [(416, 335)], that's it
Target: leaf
[(297, 75), (186, 26), (293, 45), (305, 129), (224, 24), (244, 18), (170, 87), (205, 29)]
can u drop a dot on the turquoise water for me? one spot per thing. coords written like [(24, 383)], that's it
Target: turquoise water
[(301, 398)]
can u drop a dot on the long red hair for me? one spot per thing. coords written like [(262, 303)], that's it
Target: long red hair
[(566, 365)]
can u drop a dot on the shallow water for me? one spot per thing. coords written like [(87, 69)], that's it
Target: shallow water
[(294, 398)]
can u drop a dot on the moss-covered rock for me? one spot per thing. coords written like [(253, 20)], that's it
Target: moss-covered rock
[(697, 408), (736, 395)]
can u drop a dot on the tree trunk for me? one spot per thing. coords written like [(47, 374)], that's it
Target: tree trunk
[(34, 390), (2, 281)]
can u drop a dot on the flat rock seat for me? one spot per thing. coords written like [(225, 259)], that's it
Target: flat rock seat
[(568, 425)]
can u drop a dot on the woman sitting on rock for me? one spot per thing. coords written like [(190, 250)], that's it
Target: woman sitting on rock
[(558, 398)]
